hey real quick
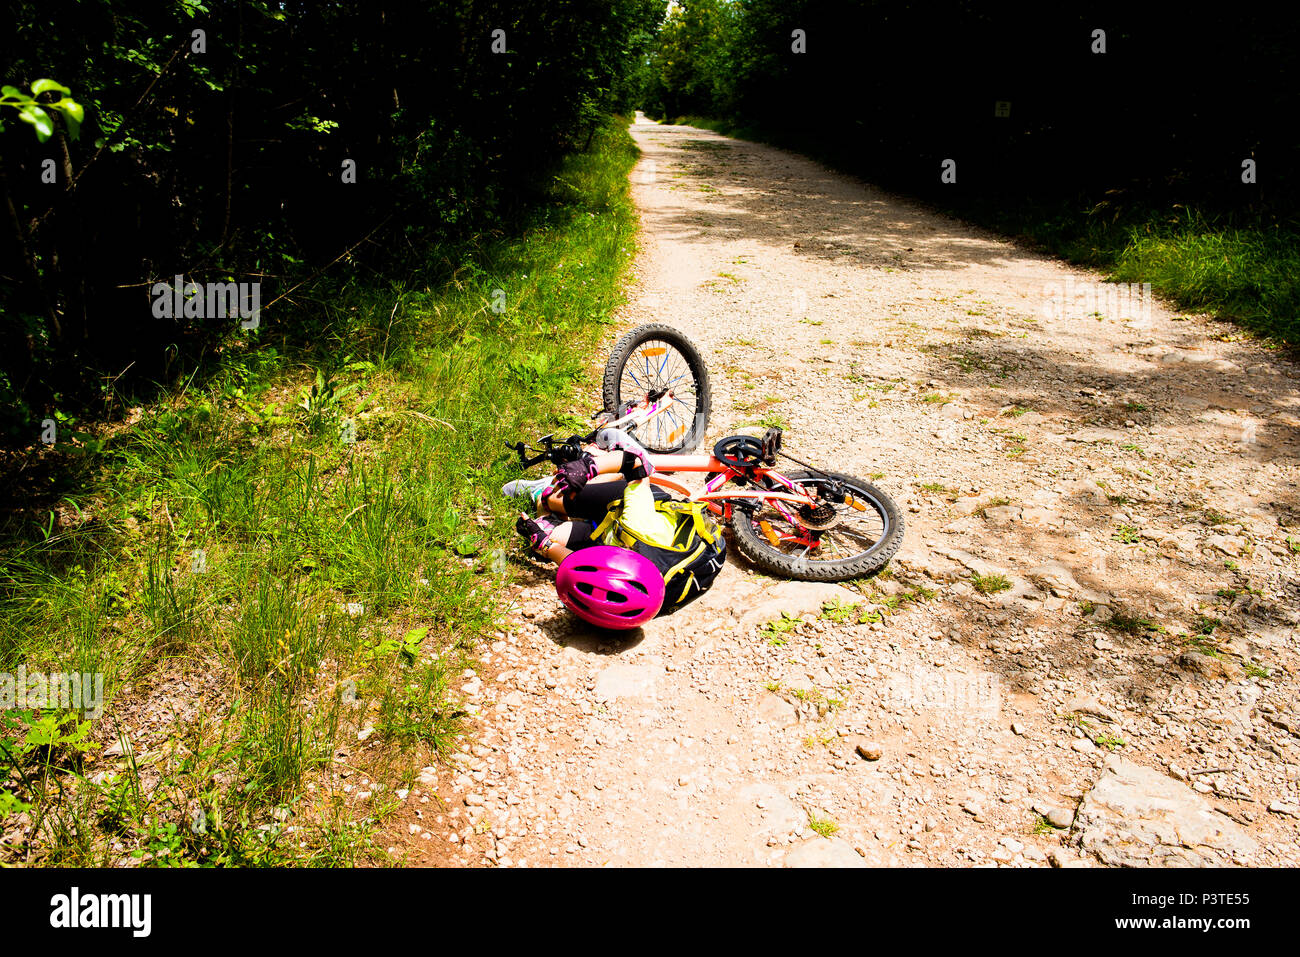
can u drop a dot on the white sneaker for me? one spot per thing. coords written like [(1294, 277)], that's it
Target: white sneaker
[(530, 489)]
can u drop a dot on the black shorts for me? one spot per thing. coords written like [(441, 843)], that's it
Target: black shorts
[(587, 509)]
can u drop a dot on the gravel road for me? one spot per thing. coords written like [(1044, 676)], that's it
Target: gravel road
[(1126, 470)]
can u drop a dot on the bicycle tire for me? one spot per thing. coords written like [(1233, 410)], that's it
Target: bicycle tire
[(614, 386), (755, 547)]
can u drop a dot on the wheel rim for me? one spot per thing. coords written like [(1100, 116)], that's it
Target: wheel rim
[(656, 365), (856, 534)]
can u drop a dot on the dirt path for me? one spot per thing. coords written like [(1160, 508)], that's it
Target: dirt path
[(1131, 467)]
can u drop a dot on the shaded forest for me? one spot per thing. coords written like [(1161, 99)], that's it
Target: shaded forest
[(248, 141)]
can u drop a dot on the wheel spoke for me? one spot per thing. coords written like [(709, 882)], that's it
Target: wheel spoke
[(672, 372), (857, 534)]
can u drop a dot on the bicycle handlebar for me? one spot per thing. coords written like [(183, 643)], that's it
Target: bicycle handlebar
[(606, 422), (548, 449)]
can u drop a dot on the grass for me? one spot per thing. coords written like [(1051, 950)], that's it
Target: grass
[(839, 611), (938, 488), (1240, 265), (298, 552), (1126, 534), (989, 584), (771, 421), (824, 826), (821, 739), (775, 631), (1205, 625), (915, 595), (758, 405), (1129, 624), (1242, 273), (1228, 594)]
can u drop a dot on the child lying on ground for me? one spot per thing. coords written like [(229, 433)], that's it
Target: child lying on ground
[(606, 499)]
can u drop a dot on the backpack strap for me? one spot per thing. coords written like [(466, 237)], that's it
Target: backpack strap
[(612, 513)]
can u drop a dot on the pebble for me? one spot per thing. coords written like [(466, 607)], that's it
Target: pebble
[(869, 750)]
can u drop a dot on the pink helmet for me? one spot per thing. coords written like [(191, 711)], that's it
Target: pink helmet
[(610, 587)]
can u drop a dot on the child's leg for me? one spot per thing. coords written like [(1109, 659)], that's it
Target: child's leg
[(581, 503), (556, 547), (608, 465), (555, 540)]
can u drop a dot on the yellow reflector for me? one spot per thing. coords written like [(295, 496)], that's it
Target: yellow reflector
[(771, 535), (653, 352), (855, 503), (677, 434)]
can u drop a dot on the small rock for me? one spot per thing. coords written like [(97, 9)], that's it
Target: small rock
[(1136, 816), (1059, 858), (1002, 515), (1228, 544), (1208, 665), (1059, 817), (869, 750), (824, 852)]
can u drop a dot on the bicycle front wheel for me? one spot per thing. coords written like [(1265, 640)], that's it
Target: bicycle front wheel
[(830, 542), (654, 359)]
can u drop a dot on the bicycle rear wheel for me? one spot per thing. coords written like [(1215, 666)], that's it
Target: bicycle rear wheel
[(835, 541), (654, 359)]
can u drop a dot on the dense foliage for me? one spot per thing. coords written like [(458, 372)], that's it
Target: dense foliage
[(220, 156)]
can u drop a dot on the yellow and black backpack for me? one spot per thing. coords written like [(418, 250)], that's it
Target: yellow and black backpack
[(689, 553)]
